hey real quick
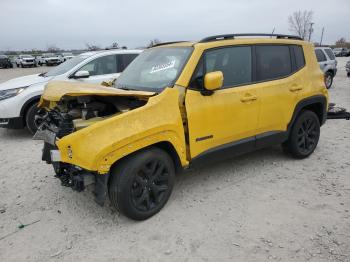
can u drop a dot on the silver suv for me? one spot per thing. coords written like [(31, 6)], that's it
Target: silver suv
[(328, 64)]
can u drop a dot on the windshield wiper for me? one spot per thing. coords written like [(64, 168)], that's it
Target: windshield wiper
[(43, 74), (124, 88)]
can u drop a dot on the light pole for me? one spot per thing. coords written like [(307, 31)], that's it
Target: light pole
[(322, 36), (311, 30)]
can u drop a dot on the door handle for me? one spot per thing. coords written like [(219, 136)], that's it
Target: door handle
[(295, 88), (248, 98)]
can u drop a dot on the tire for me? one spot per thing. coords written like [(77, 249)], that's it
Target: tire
[(348, 74), (328, 79), (141, 184), (30, 118), (304, 135)]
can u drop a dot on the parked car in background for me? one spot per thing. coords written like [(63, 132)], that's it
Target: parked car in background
[(65, 56), (341, 51), (328, 64), (49, 59), (19, 97), (347, 68), (5, 62), (25, 61)]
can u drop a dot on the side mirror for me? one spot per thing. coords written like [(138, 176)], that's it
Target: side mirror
[(81, 74), (213, 81)]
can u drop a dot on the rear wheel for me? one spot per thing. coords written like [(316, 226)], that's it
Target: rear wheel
[(328, 79), (141, 184), (30, 118), (304, 135)]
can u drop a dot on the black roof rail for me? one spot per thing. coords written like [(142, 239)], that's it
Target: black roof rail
[(168, 43), (233, 36)]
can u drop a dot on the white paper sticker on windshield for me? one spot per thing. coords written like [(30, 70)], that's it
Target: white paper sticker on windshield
[(162, 67)]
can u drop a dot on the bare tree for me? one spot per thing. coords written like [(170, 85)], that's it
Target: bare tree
[(300, 23), (115, 45), (154, 42), (92, 47), (341, 42)]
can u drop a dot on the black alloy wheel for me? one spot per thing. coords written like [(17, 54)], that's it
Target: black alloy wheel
[(150, 185), (141, 184), (307, 135), (304, 135)]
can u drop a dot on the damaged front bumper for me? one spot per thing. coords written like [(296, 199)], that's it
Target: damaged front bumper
[(70, 175)]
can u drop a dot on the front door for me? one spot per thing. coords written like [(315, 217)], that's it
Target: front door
[(229, 116)]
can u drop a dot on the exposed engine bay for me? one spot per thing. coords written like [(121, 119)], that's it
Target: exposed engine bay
[(74, 113)]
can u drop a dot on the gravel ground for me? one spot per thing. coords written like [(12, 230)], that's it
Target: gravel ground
[(261, 206)]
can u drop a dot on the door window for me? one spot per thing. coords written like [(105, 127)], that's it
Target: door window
[(102, 66), (320, 55), (272, 62), (330, 54), (234, 62), (127, 59)]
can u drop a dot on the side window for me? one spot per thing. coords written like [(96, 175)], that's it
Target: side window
[(127, 59), (299, 57), (102, 66), (330, 54), (320, 55), (272, 61), (234, 62)]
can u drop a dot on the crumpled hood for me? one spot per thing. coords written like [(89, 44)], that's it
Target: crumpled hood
[(55, 90), (24, 81)]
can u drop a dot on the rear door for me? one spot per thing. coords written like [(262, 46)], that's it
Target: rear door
[(279, 70)]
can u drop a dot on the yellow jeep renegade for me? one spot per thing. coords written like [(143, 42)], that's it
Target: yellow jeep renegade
[(180, 104)]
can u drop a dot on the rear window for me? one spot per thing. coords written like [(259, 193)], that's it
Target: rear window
[(330, 54), (320, 55), (272, 62), (299, 57)]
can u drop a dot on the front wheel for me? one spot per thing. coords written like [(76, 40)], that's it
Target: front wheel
[(304, 135), (142, 183), (328, 79), (30, 118)]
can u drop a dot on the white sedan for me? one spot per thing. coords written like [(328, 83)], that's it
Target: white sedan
[(19, 97)]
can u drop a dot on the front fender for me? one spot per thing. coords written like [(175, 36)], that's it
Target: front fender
[(99, 146)]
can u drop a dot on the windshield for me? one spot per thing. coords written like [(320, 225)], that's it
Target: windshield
[(66, 66), (337, 49), (26, 56), (154, 69)]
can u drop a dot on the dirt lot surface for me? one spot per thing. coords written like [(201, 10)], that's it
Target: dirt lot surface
[(262, 206)]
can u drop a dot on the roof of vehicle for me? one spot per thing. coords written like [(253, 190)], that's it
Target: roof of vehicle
[(218, 40), (323, 47), (113, 51)]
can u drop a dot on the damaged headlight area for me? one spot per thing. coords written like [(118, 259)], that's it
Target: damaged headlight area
[(4, 94), (71, 114)]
